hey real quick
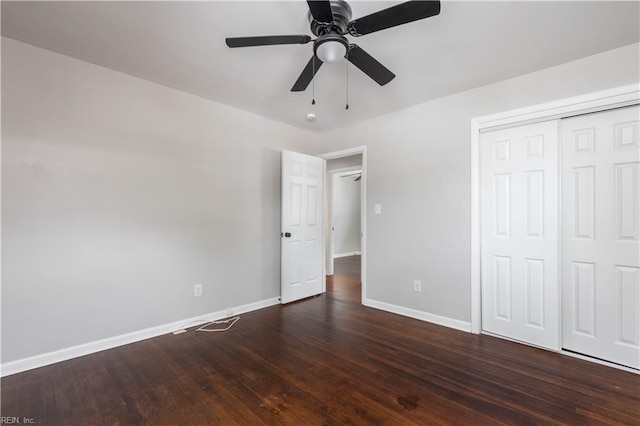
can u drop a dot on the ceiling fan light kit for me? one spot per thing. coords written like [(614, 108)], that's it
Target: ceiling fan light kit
[(330, 22), (331, 48)]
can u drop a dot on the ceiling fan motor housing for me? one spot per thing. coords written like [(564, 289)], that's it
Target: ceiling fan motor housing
[(341, 17)]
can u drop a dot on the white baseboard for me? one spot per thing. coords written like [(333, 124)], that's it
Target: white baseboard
[(353, 253), (30, 363), (420, 315)]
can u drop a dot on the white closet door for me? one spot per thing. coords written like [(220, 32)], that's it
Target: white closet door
[(520, 233), (601, 230)]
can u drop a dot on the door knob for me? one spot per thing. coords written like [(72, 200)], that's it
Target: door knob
[(287, 234)]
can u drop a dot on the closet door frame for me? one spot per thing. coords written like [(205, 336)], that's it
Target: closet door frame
[(584, 104)]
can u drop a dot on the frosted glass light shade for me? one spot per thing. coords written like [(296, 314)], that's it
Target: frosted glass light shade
[(331, 51)]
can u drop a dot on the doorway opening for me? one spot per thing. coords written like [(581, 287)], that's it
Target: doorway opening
[(345, 224), (345, 282)]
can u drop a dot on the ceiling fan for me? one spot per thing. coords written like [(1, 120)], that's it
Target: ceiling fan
[(330, 22), (358, 175)]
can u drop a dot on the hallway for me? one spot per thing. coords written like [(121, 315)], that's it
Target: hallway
[(345, 284)]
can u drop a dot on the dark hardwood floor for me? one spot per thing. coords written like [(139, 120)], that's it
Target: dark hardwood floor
[(345, 284), (325, 360)]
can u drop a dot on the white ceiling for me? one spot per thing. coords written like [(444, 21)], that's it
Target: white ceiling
[(181, 45)]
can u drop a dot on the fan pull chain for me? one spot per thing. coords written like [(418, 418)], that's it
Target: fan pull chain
[(347, 81), (313, 80)]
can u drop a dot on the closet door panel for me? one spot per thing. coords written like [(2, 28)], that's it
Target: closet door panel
[(519, 257), (601, 234)]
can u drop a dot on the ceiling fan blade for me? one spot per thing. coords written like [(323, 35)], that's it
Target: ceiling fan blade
[(307, 75), (321, 10), (396, 15), (368, 65), (267, 40)]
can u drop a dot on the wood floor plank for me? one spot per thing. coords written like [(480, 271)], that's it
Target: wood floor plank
[(327, 360)]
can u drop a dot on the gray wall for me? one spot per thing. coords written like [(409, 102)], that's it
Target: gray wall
[(118, 195), (344, 162), (418, 168), (346, 214)]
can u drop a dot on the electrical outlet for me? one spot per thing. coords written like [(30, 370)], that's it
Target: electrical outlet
[(197, 290), (417, 285)]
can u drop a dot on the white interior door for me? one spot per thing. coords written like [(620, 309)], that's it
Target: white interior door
[(601, 233), (519, 252), (301, 233)]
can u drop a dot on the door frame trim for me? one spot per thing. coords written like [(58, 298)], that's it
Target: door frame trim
[(593, 102), (363, 211)]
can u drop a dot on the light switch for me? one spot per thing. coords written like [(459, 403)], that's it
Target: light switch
[(378, 208)]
